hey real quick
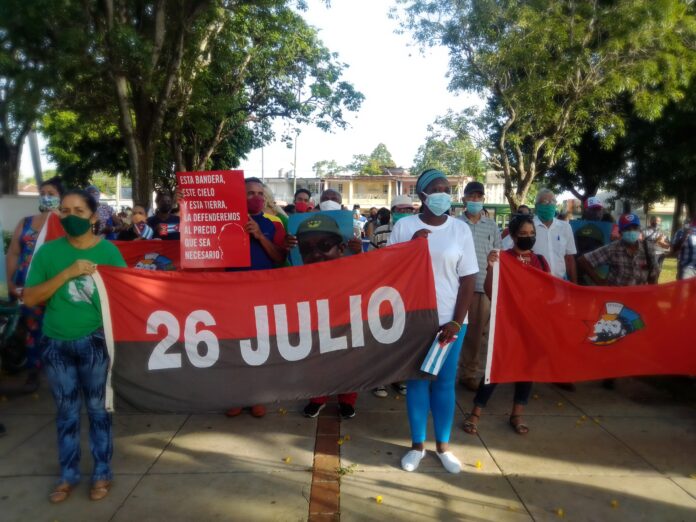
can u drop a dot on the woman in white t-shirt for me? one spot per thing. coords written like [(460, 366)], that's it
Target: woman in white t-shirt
[(454, 264)]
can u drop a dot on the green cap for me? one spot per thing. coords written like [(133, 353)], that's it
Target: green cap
[(319, 223)]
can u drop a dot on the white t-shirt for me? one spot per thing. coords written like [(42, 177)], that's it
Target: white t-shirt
[(554, 243), (452, 255)]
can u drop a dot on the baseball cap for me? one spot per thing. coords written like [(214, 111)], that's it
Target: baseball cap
[(319, 223), (401, 200), (627, 220), (474, 186), (593, 202)]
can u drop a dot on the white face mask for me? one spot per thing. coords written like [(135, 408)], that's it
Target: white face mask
[(329, 205)]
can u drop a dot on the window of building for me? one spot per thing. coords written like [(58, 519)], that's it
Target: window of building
[(340, 188), (412, 191)]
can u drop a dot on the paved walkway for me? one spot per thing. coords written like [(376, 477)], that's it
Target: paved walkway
[(592, 455)]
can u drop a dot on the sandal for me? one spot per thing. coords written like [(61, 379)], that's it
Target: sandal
[(519, 427), (99, 489), (60, 493), (471, 427)]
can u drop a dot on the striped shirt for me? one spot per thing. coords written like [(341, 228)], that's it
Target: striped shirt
[(486, 238), (380, 236)]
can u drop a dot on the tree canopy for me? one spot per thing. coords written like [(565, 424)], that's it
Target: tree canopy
[(449, 148), (183, 85), (552, 71), (372, 164)]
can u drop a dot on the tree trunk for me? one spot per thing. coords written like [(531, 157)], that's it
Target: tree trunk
[(676, 215), (10, 157), (143, 179)]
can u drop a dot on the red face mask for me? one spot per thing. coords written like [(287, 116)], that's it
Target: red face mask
[(302, 207), (255, 204)]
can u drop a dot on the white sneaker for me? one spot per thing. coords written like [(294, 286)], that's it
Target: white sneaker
[(450, 462), (380, 392), (410, 461)]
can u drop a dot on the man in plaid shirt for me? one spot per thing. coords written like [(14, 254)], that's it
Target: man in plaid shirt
[(632, 261)]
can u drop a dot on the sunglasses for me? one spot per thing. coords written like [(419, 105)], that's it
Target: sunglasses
[(325, 246)]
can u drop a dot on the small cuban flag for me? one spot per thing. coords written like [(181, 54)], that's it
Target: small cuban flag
[(436, 355)]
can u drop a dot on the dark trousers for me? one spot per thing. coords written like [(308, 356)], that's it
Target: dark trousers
[(522, 392)]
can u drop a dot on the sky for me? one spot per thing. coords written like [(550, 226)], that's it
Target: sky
[(405, 89)]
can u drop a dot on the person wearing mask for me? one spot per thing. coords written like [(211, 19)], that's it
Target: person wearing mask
[(138, 227), (554, 238), (486, 238), (372, 223), (631, 261), (506, 240), (164, 223), (303, 201), (684, 247), (454, 266), (401, 207), (523, 235), (267, 244), (330, 199), (19, 256), (319, 239), (75, 356), (653, 234), (109, 223)]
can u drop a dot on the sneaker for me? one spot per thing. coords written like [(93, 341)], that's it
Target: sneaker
[(450, 462), (411, 460), (258, 410), (312, 409), (380, 392), (346, 410), (400, 387), (233, 412)]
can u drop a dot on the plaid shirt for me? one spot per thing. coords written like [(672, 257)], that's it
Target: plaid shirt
[(486, 238), (625, 269)]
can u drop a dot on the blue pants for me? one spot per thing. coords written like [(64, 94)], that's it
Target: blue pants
[(75, 369), (436, 396)]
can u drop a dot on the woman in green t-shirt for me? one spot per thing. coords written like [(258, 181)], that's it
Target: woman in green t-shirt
[(75, 357)]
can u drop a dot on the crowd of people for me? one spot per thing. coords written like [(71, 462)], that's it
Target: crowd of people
[(62, 314)]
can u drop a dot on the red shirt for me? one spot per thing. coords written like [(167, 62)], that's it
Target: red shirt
[(531, 259)]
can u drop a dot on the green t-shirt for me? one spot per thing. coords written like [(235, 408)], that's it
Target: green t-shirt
[(74, 311)]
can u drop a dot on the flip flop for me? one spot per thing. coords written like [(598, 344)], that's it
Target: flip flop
[(518, 427), (470, 427), (60, 493), (99, 489)]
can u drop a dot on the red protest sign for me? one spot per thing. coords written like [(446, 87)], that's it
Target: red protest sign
[(213, 215)]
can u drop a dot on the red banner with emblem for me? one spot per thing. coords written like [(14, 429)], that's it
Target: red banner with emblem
[(544, 329)]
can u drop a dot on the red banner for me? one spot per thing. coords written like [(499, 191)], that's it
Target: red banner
[(544, 329), (213, 215), (150, 254), (183, 341)]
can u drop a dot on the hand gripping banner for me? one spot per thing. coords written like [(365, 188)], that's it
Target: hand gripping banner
[(544, 329), (199, 342)]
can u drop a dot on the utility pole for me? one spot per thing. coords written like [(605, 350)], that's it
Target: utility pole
[(35, 157), (262, 167), (294, 168)]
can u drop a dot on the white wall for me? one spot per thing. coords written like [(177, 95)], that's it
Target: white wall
[(14, 208)]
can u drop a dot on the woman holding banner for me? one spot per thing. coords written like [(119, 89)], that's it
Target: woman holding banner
[(523, 234), (75, 357), (454, 265), (19, 255)]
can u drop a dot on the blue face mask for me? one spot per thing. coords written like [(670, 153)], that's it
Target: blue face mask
[(474, 207), (438, 202), (630, 236)]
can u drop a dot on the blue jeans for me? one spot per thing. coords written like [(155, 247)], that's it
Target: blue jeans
[(522, 392), (75, 369), (436, 396)]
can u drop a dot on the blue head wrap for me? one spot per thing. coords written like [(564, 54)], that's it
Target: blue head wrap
[(426, 178)]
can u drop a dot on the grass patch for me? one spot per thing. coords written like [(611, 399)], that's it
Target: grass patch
[(669, 271)]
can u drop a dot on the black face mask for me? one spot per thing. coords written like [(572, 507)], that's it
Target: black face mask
[(164, 208), (525, 243)]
